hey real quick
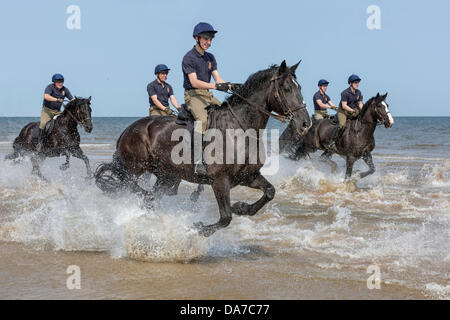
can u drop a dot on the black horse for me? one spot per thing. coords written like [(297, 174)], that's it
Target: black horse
[(355, 142), (147, 145), (62, 140)]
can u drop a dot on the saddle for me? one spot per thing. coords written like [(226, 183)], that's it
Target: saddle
[(47, 130), (185, 117)]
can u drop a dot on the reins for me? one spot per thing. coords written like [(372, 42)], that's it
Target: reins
[(81, 123), (277, 95)]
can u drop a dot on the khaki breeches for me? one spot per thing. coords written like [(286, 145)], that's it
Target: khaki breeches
[(197, 100), (47, 115)]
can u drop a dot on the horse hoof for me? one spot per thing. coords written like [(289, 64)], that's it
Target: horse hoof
[(240, 208), (198, 225), (205, 231), (194, 196)]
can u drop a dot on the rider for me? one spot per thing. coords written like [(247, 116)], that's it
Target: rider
[(322, 101), (159, 92), (54, 95), (350, 106), (198, 67)]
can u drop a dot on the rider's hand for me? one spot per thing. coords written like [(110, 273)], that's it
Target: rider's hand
[(334, 108), (169, 111), (60, 100), (223, 86), (355, 112)]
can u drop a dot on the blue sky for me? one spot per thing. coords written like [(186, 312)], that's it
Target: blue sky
[(112, 56)]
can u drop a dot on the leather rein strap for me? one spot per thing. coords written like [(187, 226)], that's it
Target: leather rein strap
[(277, 95)]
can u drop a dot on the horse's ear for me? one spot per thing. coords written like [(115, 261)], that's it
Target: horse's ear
[(377, 98), (294, 67), (89, 98), (283, 68), (385, 96)]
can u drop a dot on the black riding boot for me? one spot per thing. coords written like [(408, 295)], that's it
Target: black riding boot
[(336, 132), (40, 140), (200, 165)]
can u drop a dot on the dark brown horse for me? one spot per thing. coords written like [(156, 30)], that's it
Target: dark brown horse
[(147, 145), (63, 140), (357, 140)]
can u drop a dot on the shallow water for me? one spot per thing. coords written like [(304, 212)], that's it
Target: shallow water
[(316, 239)]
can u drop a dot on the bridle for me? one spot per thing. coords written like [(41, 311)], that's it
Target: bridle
[(78, 121), (278, 95), (377, 121)]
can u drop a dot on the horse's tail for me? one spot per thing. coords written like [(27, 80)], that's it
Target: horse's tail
[(111, 177)]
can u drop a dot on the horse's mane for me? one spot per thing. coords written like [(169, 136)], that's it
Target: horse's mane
[(73, 103), (366, 107), (253, 82)]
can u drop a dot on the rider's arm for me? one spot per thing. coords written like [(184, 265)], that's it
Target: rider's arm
[(331, 104), (217, 77), (360, 104), (322, 105), (346, 107), (199, 84), (49, 97), (69, 94), (174, 102), (157, 103)]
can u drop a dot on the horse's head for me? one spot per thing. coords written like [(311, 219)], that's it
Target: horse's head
[(80, 109), (285, 97), (381, 109)]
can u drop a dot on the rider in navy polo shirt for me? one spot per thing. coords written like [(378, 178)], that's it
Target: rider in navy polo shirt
[(322, 101), (350, 106), (198, 68), (54, 95), (159, 93)]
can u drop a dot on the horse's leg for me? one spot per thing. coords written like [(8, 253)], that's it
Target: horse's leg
[(326, 157), (369, 161), (350, 162), (196, 194), (221, 187), (65, 165), (36, 169), (141, 192), (78, 153), (260, 183)]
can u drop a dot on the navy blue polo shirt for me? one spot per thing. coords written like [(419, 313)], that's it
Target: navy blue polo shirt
[(202, 65), (55, 93), (324, 98), (163, 93), (351, 99)]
